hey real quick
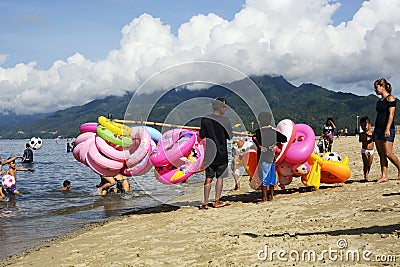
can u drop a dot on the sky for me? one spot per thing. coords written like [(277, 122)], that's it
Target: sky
[(55, 54)]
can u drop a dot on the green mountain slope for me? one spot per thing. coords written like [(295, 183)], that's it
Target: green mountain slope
[(308, 103)]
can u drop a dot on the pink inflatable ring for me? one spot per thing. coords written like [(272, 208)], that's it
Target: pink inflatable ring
[(106, 163), (89, 127), (110, 151), (173, 145), (172, 175), (83, 137), (141, 143), (81, 149), (141, 167)]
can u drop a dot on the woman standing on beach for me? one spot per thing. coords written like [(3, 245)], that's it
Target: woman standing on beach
[(384, 131)]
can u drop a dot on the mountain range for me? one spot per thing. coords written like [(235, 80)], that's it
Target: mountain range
[(307, 103)]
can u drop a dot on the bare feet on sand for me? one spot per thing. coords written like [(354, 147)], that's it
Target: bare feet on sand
[(382, 180), (220, 204)]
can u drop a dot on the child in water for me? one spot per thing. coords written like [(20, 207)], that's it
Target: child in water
[(123, 185), (2, 190), (367, 145), (12, 170), (107, 183), (66, 186)]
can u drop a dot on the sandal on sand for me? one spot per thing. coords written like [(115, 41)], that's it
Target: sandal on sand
[(223, 204), (203, 207)]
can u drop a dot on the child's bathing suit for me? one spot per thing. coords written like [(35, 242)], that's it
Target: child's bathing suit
[(11, 190), (367, 152)]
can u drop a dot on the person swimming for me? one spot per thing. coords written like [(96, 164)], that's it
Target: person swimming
[(66, 186)]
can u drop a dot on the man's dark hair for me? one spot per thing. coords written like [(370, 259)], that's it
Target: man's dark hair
[(218, 103)]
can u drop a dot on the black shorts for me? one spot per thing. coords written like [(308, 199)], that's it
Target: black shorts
[(218, 171), (379, 134)]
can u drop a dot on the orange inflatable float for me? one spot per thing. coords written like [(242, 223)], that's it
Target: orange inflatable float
[(332, 172), (251, 169)]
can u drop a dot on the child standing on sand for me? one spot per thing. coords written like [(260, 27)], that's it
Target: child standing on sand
[(265, 139), (367, 145), (320, 145)]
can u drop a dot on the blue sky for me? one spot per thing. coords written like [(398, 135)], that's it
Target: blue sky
[(48, 30), (57, 53)]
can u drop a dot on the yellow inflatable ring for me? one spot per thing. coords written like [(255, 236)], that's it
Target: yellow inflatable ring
[(117, 128)]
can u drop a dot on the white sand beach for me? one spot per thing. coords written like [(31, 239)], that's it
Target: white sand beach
[(354, 218)]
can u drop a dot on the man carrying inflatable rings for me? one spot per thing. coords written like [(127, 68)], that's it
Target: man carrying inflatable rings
[(216, 128)]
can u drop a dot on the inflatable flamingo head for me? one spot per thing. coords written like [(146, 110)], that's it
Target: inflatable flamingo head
[(303, 145)]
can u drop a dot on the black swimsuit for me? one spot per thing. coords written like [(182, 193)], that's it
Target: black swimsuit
[(382, 117)]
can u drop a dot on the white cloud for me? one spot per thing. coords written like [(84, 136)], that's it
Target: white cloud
[(294, 38)]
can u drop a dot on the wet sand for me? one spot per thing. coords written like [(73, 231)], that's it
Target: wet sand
[(335, 223)]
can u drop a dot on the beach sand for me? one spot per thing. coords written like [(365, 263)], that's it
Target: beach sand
[(354, 218)]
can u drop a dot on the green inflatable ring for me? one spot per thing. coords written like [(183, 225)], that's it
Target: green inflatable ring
[(111, 137)]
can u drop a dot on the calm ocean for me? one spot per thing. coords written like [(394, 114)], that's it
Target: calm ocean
[(42, 212)]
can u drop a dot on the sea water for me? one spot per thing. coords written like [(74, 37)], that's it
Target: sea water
[(42, 212)]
